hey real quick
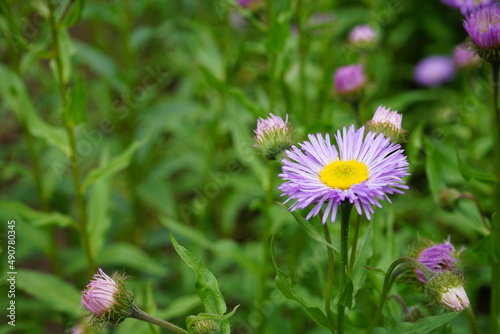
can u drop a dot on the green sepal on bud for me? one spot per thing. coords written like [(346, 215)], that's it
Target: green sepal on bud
[(447, 291), (273, 136), (388, 123)]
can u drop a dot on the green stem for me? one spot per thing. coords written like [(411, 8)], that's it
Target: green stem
[(354, 244), (389, 279), (495, 225), (272, 59), (139, 314), (345, 210), (329, 281), (265, 241), (71, 137), (472, 320)]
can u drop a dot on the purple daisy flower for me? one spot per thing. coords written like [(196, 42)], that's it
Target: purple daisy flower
[(483, 26), (349, 79), (434, 70), (466, 6), (358, 169), (437, 258)]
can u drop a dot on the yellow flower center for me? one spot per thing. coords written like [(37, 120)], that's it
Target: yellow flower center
[(343, 174)]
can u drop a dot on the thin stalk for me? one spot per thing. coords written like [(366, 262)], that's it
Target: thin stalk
[(389, 279), (354, 244), (139, 314), (272, 59), (329, 280), (53, 249), (495, 264), (265, 242), (345, 210), (472, 319), (71, 137)]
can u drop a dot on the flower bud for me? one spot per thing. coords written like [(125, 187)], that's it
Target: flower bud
[(362, 36), (273, 136), (205, 327), (108, 300), (448, 198), (388, 123), (465, 57), (447, 290), (437, 258), (349, 82)]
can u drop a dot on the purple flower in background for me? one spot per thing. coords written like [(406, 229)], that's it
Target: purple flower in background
[(464, 57), (466, 6), (437, 258), (358, 169), (483, 27), (434, 70), (349, 79), (244, 3), (362, 36)]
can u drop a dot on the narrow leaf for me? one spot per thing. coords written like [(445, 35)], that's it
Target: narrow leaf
[(422, 326), (284, 284), (468, 173), (114, 166), (310, 230), (74, 113), (206, 285), (51, 290), (37, 218)]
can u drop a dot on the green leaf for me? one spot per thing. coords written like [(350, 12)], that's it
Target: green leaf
[(37, 218), (206, 285), (66, 51), (208, 316), (422, 326), (132, 256), (51, 290), (363, 256), (15, 96), (346, 295), (114, 166), (468, 173), (310, 230), (74, 113), (74, 13), (99, 221), (284, 284)]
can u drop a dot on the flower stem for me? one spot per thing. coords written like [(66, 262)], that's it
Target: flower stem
[(139, 314), (354, 244), (345, 210), (329, 280), (495, 225), (265, 242), (472, 319), (71, 137), (387, 283)]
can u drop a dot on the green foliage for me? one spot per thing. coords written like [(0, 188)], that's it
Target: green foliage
[(139, 123)]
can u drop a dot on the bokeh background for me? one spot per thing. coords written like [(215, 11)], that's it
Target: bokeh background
[(164, 97)]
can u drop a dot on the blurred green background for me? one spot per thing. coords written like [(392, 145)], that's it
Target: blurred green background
[(163, 98)]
